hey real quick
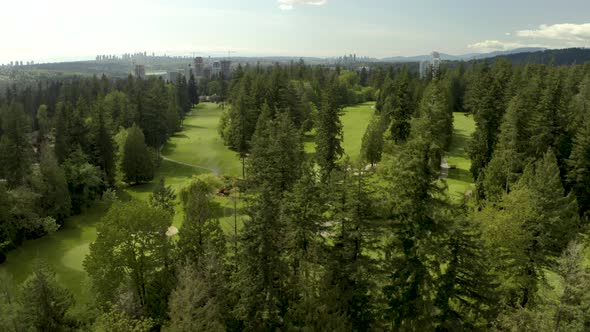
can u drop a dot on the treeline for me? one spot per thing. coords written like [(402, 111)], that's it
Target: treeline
[(330, 245), (64, 143)]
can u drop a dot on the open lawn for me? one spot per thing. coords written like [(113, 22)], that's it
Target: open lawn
[(198, 143), (460, 178), (354, 123)]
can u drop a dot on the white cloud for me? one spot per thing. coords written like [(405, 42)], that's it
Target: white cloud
[(290, 4), (564, 31), (497, 45)]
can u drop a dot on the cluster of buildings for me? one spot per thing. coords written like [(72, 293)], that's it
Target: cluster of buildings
[(430, 68), (200, 67), (209, 69), (18, 64)]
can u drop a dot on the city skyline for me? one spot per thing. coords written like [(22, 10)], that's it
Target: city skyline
[(74, 30)]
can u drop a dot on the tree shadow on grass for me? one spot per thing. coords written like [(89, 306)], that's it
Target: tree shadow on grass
[(459, 144), (460, 175)]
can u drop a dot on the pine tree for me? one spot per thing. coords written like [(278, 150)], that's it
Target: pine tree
[(579, 167), (486, 99), (276, 154), (417, 223), (15, 146), (329, 132), (198, 302), (102, 141), (43, 121), (305, 223), (172, 112), (372, 143), (574, 304), (467, 296), (400, 108), (163, 197), (193, 96), (55, 197), (512, 151), (273, 167), (200, 234), (182, 97), (137, 162), (347, 287), (85, 181), (44, 302), (153, 114), (122, 112)]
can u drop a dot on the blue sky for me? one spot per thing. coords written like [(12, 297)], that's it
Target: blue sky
[(75, 29)]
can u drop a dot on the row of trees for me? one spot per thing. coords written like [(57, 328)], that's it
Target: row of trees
[(331, 245), (86, 136)]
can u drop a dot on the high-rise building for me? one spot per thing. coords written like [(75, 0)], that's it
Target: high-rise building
[(435, 63), (215, 69), (198, 67), (424, 69), (140, 71), (225, 69)]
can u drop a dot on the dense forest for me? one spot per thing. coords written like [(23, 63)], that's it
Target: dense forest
[(328, 245)]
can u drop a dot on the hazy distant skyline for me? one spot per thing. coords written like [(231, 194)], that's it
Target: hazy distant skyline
[(80, 29)]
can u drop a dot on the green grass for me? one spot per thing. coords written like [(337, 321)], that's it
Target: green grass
[(354, 123), (65, 250), (199, 143), (460, 179)]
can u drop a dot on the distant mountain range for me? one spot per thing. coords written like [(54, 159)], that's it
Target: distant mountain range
[(464, 57)]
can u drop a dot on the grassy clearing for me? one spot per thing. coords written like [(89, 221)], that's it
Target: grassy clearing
[(354, 123), (197, 144), (460, 179), (65, 250)]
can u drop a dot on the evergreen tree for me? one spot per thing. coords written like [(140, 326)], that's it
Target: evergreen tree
[(193, 96), (182, 97), (163, 197), (118, 106), (137, 161), (486, 99), (101, 139), (153, 114), (172, 112), (400, 107), (274, 167), (417, 224), (85, 181), (200, 234), (198, 302), (579, 167), (573, 307), (44, 302), (276, 154), (329, 132), (55, 198), (70, 129), (43, 121), (15, 146), (347, 287), (372, 143)]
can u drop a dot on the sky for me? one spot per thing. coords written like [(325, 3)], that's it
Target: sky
[(59, 30)]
